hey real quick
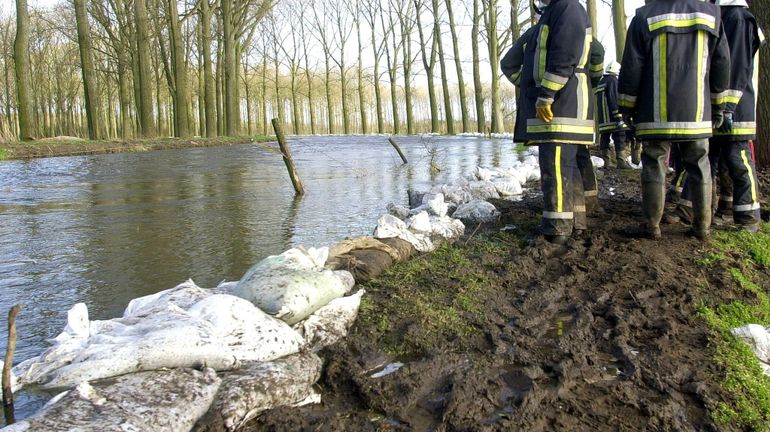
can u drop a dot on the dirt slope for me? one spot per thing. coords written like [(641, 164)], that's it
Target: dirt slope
[(597, 335)]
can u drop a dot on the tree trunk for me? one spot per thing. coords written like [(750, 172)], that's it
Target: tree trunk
[(87, 69), (144, 79), (406, 40), (230, 69), (619, 24), (361, 97), (494, 60), (591, 10), (429, 63), (328, 84), (761, 10), (181, 92), (23, 73), (450, 124), (478, 89), (210, 102), (458, 65)]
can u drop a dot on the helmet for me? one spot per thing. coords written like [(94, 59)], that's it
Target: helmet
[(732, 3), (613, 68)]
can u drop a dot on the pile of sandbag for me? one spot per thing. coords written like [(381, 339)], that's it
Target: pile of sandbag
[(758, 338)]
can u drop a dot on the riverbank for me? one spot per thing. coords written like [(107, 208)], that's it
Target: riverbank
[(503, 331), (72, 146)]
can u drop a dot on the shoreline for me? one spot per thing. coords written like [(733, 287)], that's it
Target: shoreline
[(70, 146)]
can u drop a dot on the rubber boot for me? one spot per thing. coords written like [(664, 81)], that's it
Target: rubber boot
[(636, 152), (606, 158), (653, 196), (621, 156), (701, 207)]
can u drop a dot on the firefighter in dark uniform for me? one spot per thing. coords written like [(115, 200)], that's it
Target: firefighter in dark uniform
[(557, 106), (676, 57), (609, 118), (730, 144), (510, 65)]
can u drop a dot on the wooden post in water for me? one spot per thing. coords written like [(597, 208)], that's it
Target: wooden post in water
[(295, 180), (6, 382), (398, 149)]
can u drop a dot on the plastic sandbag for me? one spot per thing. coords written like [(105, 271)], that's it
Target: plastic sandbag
[(483, 190), (289, 289), (420, 223), (507, 186), (446, 227), (398, 211), (330, 323), (476, 211), (259, 386), (183, 295), (758, 339), (435, 204), (389, 226), (597, 162), (171, 400)]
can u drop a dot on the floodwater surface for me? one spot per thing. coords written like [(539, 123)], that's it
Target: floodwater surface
[(105, 229)]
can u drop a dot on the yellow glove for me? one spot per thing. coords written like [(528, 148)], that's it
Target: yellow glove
[(543, 110)]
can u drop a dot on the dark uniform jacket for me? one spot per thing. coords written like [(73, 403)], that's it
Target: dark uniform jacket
[(607, 113), (596, 62), (510, 65), (743, 37), (676, 57), (555, 68)]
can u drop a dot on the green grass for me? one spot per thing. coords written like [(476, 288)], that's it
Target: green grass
[(745, 386), (440, 296), (3, 154)]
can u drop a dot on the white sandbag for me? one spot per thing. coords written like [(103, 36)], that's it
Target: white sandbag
[(507, 186), (483, 190), (389, 226), (330, 323), (419, 223), (476, 211), (597, 161), (758, 339), (259, 386), (171, 400), (484, 174), (251, 334), (289, 289), (446, 227), (183, 295), (399, 211), (435, 204)]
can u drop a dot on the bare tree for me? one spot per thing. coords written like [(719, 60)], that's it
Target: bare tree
[(23, 72)]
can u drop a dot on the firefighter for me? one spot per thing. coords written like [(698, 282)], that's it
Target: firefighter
[(730, 144), (584, 163), (609, 118), (510, 65), (556, 105), (676, 57)]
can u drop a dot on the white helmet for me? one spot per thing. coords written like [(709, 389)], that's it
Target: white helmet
[(613, 68), (732, 3)]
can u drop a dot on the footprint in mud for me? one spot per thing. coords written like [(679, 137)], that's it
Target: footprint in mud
[(517, 385)]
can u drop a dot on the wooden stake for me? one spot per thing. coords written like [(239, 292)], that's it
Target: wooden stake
[(7, 392), (398, 149), (295, 180)]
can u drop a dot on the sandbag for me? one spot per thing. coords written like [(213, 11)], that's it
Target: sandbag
[(390, 226), (348, 245), (758, 339), (219, 331), (289, 288), (404, 248), (183, 295), (259, 386), (169, 400), (331, 323), (476, 211), (363, 264)]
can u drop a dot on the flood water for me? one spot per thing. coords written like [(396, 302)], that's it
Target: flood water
[(105, 229)]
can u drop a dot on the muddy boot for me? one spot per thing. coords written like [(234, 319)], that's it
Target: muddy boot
[(636, 152), (653, 196), (621, 156), (701, 206), (606, 158)]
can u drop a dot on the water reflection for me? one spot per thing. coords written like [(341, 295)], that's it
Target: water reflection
[(105, 229)]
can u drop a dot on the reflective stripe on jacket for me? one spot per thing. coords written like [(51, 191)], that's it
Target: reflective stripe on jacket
[(676, 57), (555, 70), (743, 38)]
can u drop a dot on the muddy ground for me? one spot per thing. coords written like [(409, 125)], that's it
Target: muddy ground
[(597, 335)]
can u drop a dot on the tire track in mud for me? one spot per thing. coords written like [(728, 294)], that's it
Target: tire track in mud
[(599, 334)]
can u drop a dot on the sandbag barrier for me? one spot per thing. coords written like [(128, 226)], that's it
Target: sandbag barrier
[(190, 358)]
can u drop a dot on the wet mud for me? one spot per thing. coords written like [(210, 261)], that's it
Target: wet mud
[(597, 335)]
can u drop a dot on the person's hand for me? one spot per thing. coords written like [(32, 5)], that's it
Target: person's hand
[(543, 110), (727, 123), (717, 118)]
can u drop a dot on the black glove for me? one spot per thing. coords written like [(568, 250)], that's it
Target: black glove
[(717, 118), (727, 123)]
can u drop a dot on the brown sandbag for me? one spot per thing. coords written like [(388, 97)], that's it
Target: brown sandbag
[(348, 245), (404, 248), (363, 264)]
